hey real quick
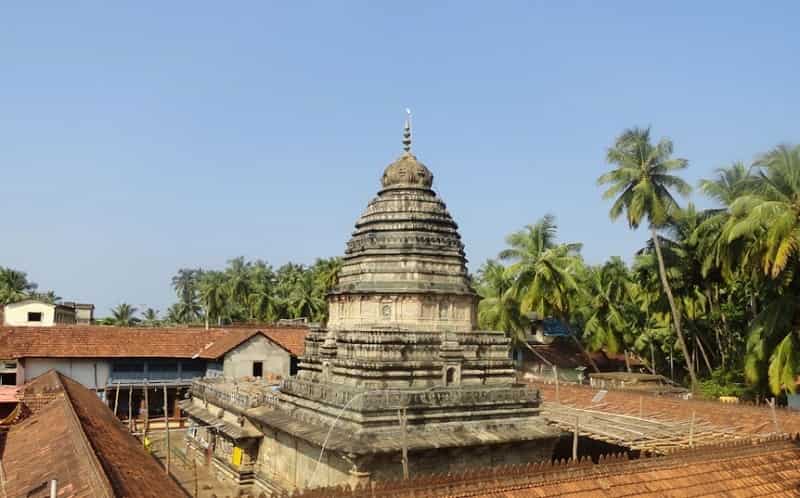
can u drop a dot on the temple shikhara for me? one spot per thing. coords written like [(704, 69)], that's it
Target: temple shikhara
[(400, 379)]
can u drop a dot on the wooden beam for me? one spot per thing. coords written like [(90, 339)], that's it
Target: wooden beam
[(116, 401), (555, 374), (146, 413), (166, 428), (131, 427), (575, 438)]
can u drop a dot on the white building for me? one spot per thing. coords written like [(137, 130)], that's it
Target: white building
[(38, 314)]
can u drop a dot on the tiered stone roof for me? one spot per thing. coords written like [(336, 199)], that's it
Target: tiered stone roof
[(402, 334), (405, 241)]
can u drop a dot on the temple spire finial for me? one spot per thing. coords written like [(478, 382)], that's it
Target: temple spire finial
[(407, 132)]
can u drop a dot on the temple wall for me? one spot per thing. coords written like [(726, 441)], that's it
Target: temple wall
[(288, 463), (432, 313), (445, 460)]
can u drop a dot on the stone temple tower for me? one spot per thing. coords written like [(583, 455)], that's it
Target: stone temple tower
[(400, 365)]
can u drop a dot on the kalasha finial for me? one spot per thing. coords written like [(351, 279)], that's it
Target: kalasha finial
[(407, 131)]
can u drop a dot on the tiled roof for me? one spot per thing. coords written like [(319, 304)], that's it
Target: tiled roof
[(8, 394), (744, 471), (75, 440), (292, 339), (92, 341), (738, 470), (563, 353), (747, 419)]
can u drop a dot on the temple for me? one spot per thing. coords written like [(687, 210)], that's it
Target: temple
[(400, 380)]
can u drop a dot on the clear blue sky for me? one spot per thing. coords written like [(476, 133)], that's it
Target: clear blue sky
[(136, 139)]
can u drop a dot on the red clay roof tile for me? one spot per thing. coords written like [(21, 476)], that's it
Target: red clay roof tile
[(76, 440), (92, 341)]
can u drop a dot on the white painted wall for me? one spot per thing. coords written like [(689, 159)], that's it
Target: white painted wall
[(16, 314), (239, 361), (80, 369)]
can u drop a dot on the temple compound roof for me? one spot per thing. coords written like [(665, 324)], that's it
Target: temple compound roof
[(736, 469), (737, 420), (100, 341), (63, 432)]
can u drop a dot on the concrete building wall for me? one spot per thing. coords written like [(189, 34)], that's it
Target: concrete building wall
[(17, 314), (275, 360), (92, 373), (84, 314)]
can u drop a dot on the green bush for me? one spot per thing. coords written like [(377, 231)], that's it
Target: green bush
[(723, 383)]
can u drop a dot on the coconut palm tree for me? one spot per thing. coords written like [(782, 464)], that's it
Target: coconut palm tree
[(303, 300), (262, 301), (326, 273), (14, 286), (238, 279), (769, 216), (767, 221), (214, 295), (709, 237), (528, 244), (607, 324), (185, 285), (544, 272), (498, 308), (124, 315), (48, 297), (150, 317), (548, 286), (641, 185), (541, 268)]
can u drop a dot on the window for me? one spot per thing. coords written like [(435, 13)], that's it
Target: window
[(258, 369), (34, 316)]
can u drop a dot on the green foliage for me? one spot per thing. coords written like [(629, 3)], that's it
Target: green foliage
[(641, 183), (124, 315), (150, 317), (499, 308), (246, 291), (723, 383), (642, 179), (15, 287), (714, 292)]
